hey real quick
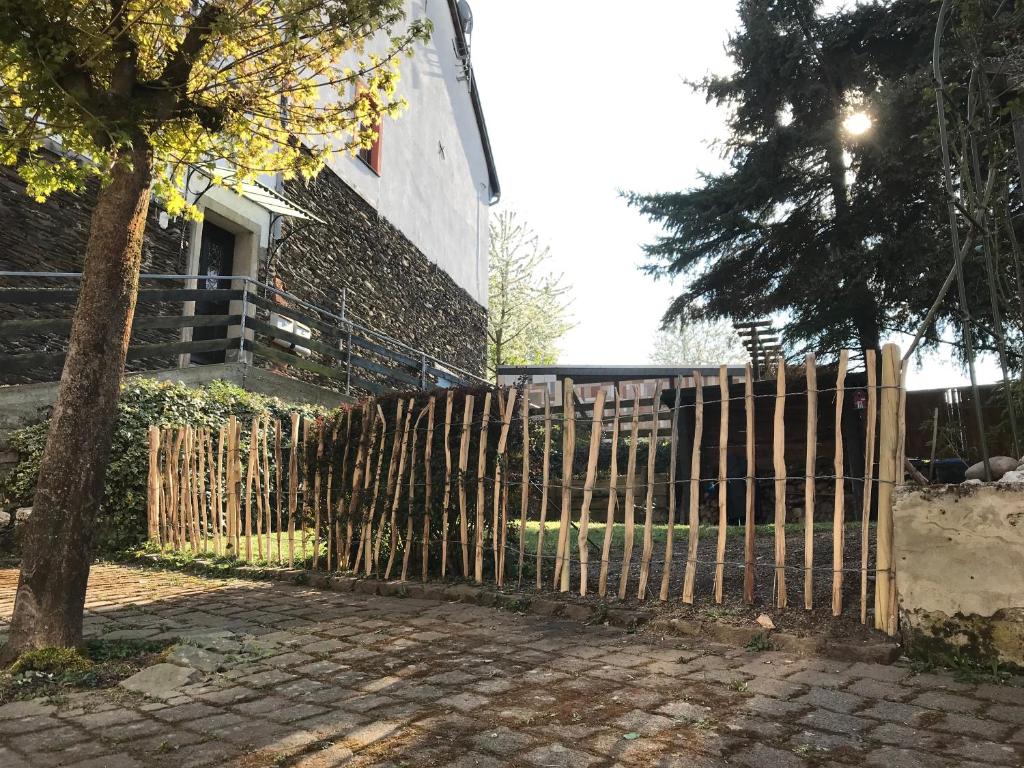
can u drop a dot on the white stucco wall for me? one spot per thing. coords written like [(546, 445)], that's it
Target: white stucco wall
[(434, 183)]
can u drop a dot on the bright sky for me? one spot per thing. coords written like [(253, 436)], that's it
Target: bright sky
[(582, 103)]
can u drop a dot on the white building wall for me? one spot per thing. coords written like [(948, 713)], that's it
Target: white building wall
[(434, 184)]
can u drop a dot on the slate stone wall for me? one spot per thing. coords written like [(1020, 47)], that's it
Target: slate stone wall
[(51, 237), (392, 287)]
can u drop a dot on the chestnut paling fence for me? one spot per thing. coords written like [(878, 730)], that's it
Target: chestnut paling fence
[(446, 484)]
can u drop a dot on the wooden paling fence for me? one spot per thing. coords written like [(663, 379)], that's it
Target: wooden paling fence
[(426, 484)]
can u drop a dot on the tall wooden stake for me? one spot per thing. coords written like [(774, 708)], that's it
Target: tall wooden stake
[(666, 574), (748, 523), (249, 481), (218, 528), (694, 533), (398, 491), (629, 506), (445, 501), (278, 469), (779, 454), (467, 423), (545, 481), (481, 472), (391, 487), (811, 461), (596, 428), (888, 451), (839, 515), (723, 481), (524, 500), (410, 530), (501, 488), (563, 561), (428, 488), (293, 486), (153, 486), (869, 470), (652, 452)]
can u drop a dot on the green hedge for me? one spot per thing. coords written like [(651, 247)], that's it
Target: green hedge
[(121, 520)]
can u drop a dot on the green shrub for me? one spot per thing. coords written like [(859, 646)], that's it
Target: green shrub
[(121, 520)]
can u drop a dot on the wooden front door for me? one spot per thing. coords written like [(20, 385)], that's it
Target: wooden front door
[(216, 258)]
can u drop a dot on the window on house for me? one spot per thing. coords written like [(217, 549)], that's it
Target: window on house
[(371, 156)]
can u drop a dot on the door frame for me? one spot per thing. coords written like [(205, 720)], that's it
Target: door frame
[(243, 219)]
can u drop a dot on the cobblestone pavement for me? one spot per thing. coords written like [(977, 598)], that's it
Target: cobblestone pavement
[(316, 679)]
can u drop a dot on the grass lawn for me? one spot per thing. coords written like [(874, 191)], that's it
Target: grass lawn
[(595, 534), (596, 531)]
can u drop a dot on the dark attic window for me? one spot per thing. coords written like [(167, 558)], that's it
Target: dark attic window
[(372, 155)]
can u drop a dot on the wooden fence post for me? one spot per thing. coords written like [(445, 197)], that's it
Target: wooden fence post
[(361, 475), (278, 485), (839, 510), (723, 481), (779, 454), (613, 480), (500, 484), (218, 527), (231, 487), (153, 486), (410, 529), (748, 528), (888, 451), (524, 500), (445, 501), (266, 481), (596, 427), (293, 487), (428, 489), (562, 556), (545, 478), (670, 530), (629, 507), (390, 488), (694, 518), (652, 452), (481, 497), (869, 468), (171, 497), (393, 540), (809, 478), (467, 423), (343, 541)]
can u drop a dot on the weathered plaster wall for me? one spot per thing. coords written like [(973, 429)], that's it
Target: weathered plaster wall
[(959, 554)]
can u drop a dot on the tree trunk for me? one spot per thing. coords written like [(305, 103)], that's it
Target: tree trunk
[(58, 536)]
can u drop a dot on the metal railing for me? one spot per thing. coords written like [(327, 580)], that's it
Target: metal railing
[(223, 318)]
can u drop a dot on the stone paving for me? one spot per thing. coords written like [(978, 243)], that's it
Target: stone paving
[(302, 677)]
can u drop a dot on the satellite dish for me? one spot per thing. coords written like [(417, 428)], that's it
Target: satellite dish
[(466, 17)]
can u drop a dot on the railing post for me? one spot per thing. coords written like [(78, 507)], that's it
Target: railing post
[(241, 327), (348, 359), (423, 370)]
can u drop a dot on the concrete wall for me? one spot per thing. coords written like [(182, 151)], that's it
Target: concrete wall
[(959, 554), (433, 185)]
